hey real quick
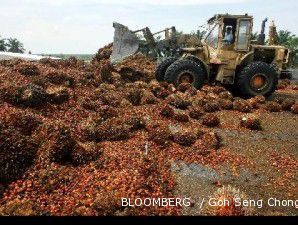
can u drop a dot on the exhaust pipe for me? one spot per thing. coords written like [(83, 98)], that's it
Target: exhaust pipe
[(261, 38)]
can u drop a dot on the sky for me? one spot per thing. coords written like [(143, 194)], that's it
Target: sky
[(83, 26)]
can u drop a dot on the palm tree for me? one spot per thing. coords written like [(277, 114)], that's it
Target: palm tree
[(284, 36), (14, 45), (290, 40), (254, 36), (3, 45), (201, 34)]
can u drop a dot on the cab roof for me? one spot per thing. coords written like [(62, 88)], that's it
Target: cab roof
[(218, 16)]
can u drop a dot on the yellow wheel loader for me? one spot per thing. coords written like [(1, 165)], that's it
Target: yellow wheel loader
[(227, 55)]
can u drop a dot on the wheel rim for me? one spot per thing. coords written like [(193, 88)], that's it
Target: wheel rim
[(259, 82), (186, 77)]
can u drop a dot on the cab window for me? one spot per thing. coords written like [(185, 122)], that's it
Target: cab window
[(212, 38), (243, 35)]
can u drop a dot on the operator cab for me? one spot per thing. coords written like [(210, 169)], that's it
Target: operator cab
[(230, 32)]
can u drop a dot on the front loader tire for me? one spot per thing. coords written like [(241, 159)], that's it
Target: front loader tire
[(162, 68), (185, 71), (257, 78)]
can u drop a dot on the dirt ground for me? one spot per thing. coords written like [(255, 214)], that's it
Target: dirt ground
[(264, 179)]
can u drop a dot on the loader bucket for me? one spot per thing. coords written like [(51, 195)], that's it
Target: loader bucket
[(126, 43)]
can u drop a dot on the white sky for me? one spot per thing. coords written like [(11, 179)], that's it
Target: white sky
[(82, 26)]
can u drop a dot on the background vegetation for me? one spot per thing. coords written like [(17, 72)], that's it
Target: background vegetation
[(11, 45)]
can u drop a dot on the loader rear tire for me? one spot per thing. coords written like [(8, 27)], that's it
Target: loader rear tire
[(162, 68), (185, 71), (257, 78)]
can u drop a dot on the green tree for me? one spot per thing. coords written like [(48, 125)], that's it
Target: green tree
[(3, 45), (284, 36), (254, 36), (289, 40), (293, 44), (14, 45), (201, 34), (179, 33)]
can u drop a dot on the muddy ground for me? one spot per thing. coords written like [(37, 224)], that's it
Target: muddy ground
[(265, 179), (261, 181)]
